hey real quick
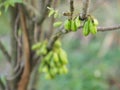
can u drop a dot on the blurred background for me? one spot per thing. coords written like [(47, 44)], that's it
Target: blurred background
[(94, 61)]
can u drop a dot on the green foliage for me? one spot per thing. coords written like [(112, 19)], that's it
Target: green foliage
[(6, 4), (53, 12)]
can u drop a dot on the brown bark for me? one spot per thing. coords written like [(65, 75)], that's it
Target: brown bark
[(26, 72)]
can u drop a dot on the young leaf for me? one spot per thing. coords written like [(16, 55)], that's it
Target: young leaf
[(51, 12)]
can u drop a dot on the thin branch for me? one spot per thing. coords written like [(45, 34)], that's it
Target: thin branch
[(35, 11), (16, 26), (71, 8), (54, 5), (85, 9), (5, 52), (44, 12), (61, 31), (110, 28)]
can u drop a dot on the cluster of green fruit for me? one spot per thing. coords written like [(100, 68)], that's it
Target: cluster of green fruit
[(90, 26), (40, 48), (72, 25), (54, 62)]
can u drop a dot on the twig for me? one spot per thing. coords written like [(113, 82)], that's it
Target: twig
[(110, 28), (61, 31), (96, 5), (5, 52), (16, 26), (55, 36), (55, 2), (85, 9), (71, 8), (35, 11), (44, 13)]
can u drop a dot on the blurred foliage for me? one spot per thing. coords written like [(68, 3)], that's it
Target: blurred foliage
[(4, 24)]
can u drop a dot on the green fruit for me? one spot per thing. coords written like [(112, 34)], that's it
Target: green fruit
[(42, 51), (43, 48), (57, 24), (36, 46), (52, 64), (67, 24), (55, 57), (95, 22), (41, 66), (55, 70), (63, 56), (86, 30), (94, 30), (45, 69), (60, 71), (73, 26), (48, 76), (77, 22), (58, 64), (65, 70), (48, 56), (92, 27), (57, 44)]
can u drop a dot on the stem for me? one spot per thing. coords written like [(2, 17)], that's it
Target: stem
[(5, 52), (85, 9)]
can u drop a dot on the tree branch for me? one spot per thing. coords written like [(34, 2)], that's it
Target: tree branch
[(44, 12), (110, 28), (35, 11), (27, 69), (61, 31), (85, 9), (71, 8), (5, 52)]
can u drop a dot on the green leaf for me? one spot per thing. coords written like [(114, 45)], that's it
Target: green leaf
[(11, 3), (51, 12)]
